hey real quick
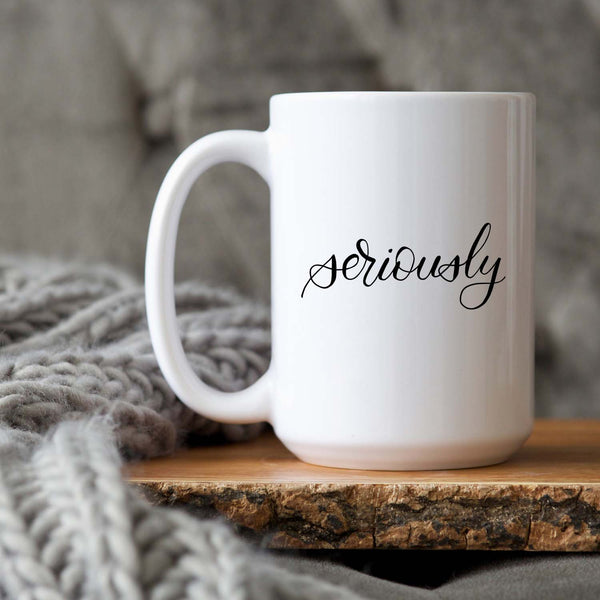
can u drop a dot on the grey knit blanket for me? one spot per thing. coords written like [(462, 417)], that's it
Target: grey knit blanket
[(80, 391), (74, 342)]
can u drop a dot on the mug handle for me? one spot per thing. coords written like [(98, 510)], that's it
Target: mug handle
[(250, 148)]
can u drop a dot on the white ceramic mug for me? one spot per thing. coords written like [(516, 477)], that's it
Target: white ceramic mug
[(402, 235)]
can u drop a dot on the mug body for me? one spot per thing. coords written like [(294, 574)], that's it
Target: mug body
[(402, 262)]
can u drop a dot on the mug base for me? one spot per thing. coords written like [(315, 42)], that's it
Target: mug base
[(408, 458)]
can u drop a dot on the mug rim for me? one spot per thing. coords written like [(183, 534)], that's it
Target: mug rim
[(362, 95)]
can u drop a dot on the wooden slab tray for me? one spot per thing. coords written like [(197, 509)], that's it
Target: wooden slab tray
[(545, 498)]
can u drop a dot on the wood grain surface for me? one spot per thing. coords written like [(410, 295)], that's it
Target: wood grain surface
[(547, 497)]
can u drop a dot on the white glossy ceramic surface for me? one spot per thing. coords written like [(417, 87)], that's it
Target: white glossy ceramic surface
[(410, 369)]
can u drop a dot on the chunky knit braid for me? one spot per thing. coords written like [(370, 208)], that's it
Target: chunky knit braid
[(71, 529), (75, 343)]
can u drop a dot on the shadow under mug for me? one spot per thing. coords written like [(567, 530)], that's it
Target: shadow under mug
[(402, 240)]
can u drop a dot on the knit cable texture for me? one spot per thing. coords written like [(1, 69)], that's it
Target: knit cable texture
[(74, 342), (79, 391)]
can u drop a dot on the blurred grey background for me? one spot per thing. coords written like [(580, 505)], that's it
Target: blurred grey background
[(99, 97)]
